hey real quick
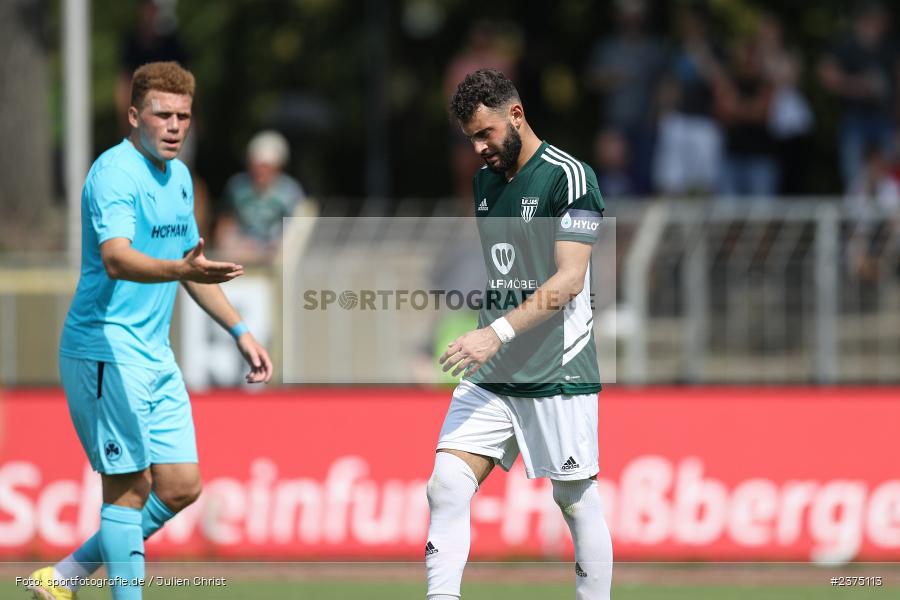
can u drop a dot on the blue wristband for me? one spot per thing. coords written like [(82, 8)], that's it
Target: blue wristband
[(238, 330)]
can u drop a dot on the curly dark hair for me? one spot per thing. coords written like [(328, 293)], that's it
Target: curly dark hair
[(484, 86)]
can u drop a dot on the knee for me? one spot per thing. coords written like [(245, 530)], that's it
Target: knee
[(180, 495), (451, 484), (438, 491), (559, 498), (129, 489), (568, 494)]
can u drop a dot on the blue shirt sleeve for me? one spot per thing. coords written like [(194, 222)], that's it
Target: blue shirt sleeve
[(112, 201), (193, 235)]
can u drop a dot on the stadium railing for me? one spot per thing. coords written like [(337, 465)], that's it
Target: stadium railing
[(751, 291)]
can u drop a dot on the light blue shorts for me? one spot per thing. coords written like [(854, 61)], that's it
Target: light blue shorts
[(129, 417)]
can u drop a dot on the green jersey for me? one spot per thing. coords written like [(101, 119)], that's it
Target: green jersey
[(553, 197)]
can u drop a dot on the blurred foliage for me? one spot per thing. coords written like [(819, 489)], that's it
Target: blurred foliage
[(301, 66)]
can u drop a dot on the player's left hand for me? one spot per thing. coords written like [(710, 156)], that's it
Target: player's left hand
[(469, 351), (257, 357)]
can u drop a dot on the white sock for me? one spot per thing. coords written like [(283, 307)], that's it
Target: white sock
[(583, 512), (450, 492), (69, 568)]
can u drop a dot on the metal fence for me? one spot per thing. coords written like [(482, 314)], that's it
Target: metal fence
[(794, 291), (760, 291)]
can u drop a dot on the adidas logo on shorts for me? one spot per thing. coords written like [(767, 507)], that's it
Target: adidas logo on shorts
[(579, 571), (430, 549), (570, 464)]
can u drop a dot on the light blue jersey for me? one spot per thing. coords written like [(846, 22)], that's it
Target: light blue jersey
[(125, 195)]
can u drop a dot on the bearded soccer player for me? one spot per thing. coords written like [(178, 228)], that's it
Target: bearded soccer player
[(531, 378), (125, 393)]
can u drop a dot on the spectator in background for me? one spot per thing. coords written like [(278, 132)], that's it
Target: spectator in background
[(790, 116), (862, 69), (743, 104), (256, 201), (689, 147), (873, 202), (611, 160), (626, 69)]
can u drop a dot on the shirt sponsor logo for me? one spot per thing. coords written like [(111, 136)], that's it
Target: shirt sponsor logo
[(503, 255), (167, 231), (513, 284), (581, 221)]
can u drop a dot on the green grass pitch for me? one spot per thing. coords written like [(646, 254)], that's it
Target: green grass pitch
[(489, 581)]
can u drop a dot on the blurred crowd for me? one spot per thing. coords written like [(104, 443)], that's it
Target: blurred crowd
[(690, 115), (697, 113)]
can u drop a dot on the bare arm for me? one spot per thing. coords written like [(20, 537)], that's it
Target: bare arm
[(212, 300), (124, 262), (572, 260), (477, 347)]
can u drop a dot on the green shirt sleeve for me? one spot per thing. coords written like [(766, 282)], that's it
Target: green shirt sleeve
[(579, 220)]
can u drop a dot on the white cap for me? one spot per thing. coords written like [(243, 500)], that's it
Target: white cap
[(268, 147)]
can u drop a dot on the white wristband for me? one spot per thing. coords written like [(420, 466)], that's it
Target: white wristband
[(503, 330)]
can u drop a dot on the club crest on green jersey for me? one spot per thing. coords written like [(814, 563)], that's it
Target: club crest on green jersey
[(529, 207)]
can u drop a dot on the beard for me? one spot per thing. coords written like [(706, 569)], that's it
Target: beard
[(509, 152)]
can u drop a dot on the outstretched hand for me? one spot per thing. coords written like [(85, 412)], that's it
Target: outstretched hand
[(196, 267), (469, 351), (257, 357)]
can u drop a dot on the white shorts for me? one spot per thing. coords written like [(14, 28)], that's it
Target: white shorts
[(557, 436)]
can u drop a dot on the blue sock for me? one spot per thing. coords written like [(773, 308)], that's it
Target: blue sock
[(153, 517), (122, 547)]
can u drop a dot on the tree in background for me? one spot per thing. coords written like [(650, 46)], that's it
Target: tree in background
[(25, 156)]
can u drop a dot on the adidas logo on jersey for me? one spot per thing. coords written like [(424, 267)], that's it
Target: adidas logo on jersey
[(570, 464), (430, 549), (483, 206), (579, 571)]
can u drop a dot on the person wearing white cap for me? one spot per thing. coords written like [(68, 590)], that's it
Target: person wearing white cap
[(257, 200)]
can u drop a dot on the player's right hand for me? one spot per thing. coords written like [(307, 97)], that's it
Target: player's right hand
[(196, 267)]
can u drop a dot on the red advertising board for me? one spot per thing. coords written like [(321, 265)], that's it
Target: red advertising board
[(686, 473)]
